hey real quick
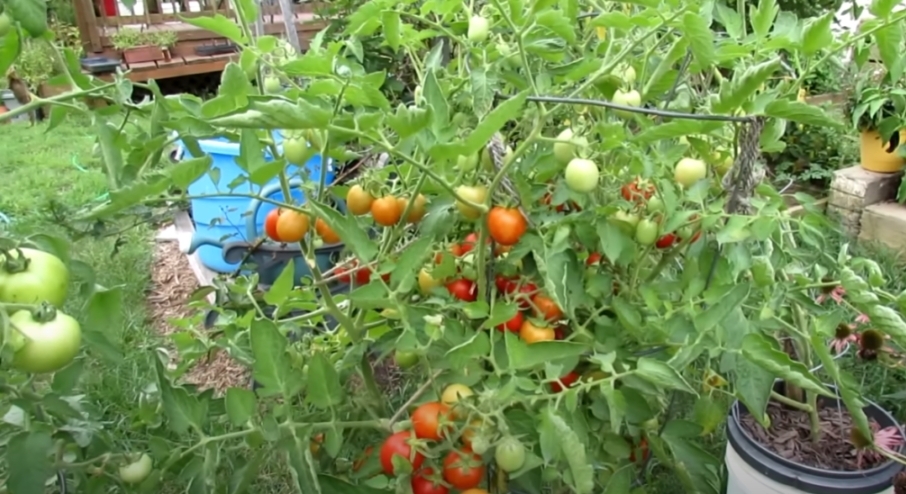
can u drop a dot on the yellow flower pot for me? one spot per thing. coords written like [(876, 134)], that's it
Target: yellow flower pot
[(876, 155)]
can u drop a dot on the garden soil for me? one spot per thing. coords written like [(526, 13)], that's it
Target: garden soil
[(172, 284), (790, 437)]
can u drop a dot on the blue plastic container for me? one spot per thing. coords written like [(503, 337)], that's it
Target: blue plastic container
[(222, 219)]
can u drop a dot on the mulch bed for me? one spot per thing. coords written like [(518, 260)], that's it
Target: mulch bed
[(172, 283), (790, 437)]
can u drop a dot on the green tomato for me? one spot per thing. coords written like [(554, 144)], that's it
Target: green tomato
[(467, 163), (479, 27), (582, 175), (50, 346), (6, 24), (510, 454), (272, 84), (296, 151), (44, 279), (655, 204), (136, 471), (565, 151), (405, 360), (688, 171), (646, 232), (628, 98)]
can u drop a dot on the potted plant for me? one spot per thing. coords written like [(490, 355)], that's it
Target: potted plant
[(137, 46), (165, 40), (876, 109), (802, 433)]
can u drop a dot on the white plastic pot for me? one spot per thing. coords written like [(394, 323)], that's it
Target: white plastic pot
[(754, 469)]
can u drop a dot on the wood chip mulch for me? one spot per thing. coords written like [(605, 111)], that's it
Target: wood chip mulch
[(790, 437), (172, 283)]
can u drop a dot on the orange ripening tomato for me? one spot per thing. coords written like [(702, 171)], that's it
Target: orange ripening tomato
[(506, 225), (546, 307), (292, 226), (530, 333), (386, 211), (429, 420), (326, 232), (358, 200), (418, 210), (270, 225)]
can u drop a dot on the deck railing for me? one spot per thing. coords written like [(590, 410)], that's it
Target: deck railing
[(98, 20)]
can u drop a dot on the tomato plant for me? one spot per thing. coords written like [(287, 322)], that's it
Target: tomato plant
[(404, 121)]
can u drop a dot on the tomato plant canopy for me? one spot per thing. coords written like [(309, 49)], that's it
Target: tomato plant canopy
[(556, 171)]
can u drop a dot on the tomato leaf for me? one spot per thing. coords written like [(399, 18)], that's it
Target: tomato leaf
[(627, 314), (184, 411), (817, 35), (479, 138), (413, 257), (334, 485), (762, 17), (302, 466), (30, 14), (219, 24), (477, 346), (324, 389), (240, 405), (408, 121), (573, 450), (282, 286), (349, 231), (701, 38), (523, 355), (67, 378), (434, 99), (620, 482), (557, 23), (9, 50), (500, 313), (889, 40), (616, 403), (761, 350), (103, 323), (390, 22), (371, 296), (800, 112), (28, 461), (271, 368), (713, 315), (663, 375), (482, 94), (744, 85), (244, 476)]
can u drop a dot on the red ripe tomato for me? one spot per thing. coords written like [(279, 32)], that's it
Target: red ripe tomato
[(469, 243), (513, 324), (429, 419), (506, 225), (593, 258), (505, 284), (398, 445), (666, 241), (524, 294), (423, 484), (342, 274), (463, 289), (463, 470), (362, 275), (642, 448), (565, 382), (546, 308), (637, 191), (270, 225)]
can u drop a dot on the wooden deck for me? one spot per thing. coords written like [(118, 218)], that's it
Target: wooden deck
[(97, 30)]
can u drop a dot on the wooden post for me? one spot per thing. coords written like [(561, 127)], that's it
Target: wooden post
[(289, 20)]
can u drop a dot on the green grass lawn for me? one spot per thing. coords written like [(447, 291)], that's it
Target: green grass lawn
[(40, 168)]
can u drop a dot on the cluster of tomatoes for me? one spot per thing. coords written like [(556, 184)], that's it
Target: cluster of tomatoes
[(462, 467), (290, 226), (386, 210), (647, 229)]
